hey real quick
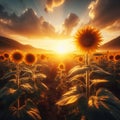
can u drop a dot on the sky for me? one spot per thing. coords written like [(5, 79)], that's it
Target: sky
[(49, 23)]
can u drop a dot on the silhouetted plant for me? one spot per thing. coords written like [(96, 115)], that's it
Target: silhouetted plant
[(79, 100), (26, 83)]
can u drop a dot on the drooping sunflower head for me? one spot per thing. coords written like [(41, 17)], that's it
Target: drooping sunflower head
[(30, 58), (17, 57), (88, 39)]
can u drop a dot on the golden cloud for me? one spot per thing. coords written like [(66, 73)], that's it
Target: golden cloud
[(51, 4)]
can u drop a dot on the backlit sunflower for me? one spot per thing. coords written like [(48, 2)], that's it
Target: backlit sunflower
[(80, 59), (105, 57), (17, 57), (96, 59), (30, 58), (6, 55), (61, 66), (117, 57), (88, 39), (111, 57), (43, 56), (2, 58)]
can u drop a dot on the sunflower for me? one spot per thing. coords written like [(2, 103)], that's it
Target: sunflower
[(30, 58), (2, 58), (111, 57), (6, 55), (17, 57), (96, 59), (88, 39), (43, 56), (117, 57), (80, 59), (105, 57), (61, 66)]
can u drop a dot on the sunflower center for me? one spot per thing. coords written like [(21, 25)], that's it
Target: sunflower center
[(88, 40), (17, 56), (117, 57), (30, 58), (111, 57), (1, 58), (6, 55), (80, 59)]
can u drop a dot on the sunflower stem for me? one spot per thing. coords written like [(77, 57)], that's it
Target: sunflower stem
[(33, 77), (87, 78), (18, 85)]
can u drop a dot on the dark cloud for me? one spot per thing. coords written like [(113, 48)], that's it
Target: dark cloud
[(3, 13), (70, 22), (28, 24), (115, 26), (51, 4), (104, 12)]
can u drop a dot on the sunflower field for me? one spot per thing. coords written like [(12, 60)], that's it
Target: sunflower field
[(48, 87)]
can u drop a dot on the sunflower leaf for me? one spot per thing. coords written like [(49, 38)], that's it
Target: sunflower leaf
[(104, 106), (78, 70), (8, 75), (27, 88)]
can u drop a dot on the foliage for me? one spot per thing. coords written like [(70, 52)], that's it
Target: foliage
[(54, 86), (30, 84)]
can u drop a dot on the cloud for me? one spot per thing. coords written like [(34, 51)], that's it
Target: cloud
[(104, 12), (51, 4), (30, 25), (3, 13), (70, 22), (115, 26), (27, 24)]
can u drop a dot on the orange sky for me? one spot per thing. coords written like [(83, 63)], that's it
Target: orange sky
[(45, 24)]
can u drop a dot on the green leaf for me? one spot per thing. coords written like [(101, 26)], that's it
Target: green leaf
[(99, 74), (42, 86), (78, 70), (77, 78), (27, 112), (9, 96), (74, 91), (11, 84), (27, 88), (98, 81), (8, 75), (68, 100), (104, 106), (24, 80), (40, 76)]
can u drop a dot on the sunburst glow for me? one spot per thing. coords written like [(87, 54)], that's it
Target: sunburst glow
[(63, 47)]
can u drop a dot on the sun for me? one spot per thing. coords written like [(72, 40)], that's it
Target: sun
[(63, 47)]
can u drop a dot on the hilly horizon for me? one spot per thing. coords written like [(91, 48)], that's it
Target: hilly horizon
[(10, 44), (112, 45)]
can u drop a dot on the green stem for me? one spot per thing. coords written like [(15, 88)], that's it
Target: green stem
[(33, 77), (18, 85), (87, 78)]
